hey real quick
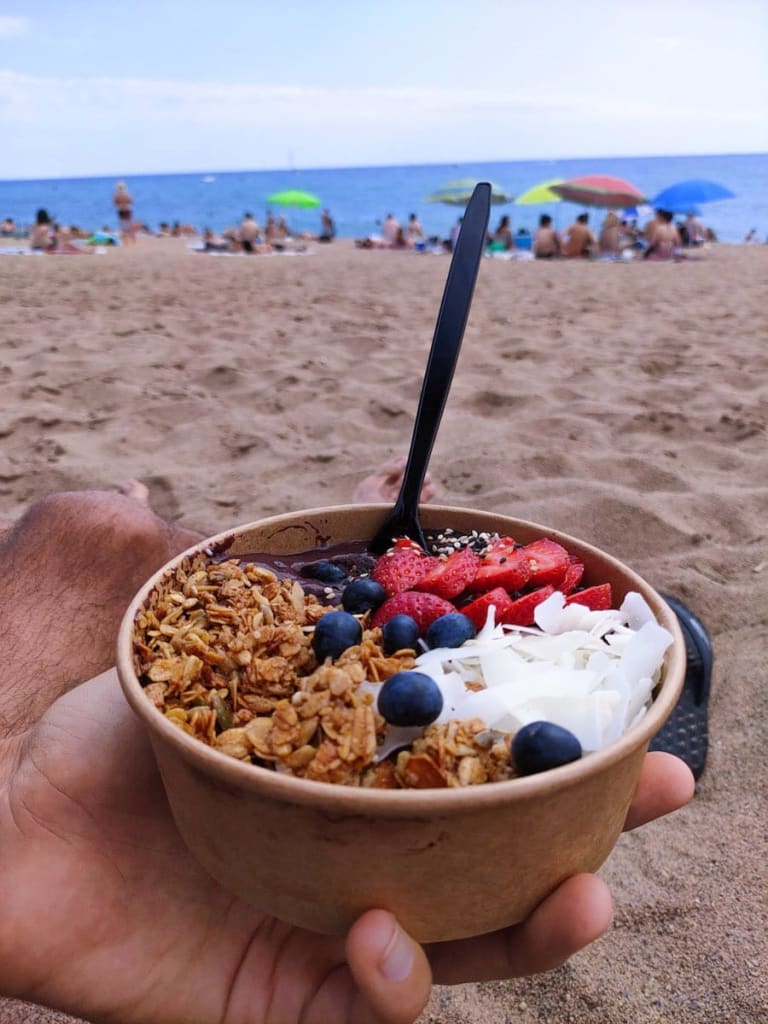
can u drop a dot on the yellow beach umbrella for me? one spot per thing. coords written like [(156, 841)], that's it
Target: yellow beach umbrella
[(540, 194)]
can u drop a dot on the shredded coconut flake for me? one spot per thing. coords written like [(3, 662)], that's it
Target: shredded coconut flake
[(592, 672)]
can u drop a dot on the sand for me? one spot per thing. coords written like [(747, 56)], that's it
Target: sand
[(626, 404)]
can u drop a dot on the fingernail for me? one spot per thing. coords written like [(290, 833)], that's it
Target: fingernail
[(397, 962)]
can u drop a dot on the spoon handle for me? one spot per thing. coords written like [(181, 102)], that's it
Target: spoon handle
[(443, 355)]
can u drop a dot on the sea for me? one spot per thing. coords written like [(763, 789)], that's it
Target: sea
[(359, 198)]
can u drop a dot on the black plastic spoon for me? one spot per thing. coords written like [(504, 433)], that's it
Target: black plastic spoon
[(403, 520)]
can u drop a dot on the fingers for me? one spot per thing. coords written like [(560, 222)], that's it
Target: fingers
[(666, 783), (575, 914), (391, 971)]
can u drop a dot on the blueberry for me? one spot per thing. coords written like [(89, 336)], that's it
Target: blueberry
[(326, 572), (539, 746), (363, 594), (334, 633), (410, 698), (398, 632), (451, 630)]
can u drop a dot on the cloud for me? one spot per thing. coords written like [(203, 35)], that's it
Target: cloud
[(11, 25), (243, 103), (59, 125), (100, 101)]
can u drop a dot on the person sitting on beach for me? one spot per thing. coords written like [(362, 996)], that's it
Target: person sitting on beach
[(414, 231), (389, 229), (8, 228), (270, 228), (216, 243), (578, 241), (609, 242), (663, 238), (502, 237), (104, 909), (123, 202), (250, 234), (546, 241), (697, 233), (42, 236)]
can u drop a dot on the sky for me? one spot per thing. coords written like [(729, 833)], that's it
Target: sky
[(89, 87)]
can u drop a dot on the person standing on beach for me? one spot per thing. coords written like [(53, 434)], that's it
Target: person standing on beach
[(123, 202), (328, 232)]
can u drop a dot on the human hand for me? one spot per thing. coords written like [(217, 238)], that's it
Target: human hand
[(111, 918)]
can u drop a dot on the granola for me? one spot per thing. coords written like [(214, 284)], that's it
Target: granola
[(224, 651)]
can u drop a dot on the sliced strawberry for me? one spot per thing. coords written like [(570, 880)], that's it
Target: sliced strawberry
[(596, 598), (424, 608), (502, 565), (573, 575), (449, 578), (520, 612), (399, 569), (548, 562), (477, 610)]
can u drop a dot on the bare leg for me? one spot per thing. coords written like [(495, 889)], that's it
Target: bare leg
[(68, 569)]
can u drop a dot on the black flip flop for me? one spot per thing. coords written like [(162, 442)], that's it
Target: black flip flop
[(685, 732)]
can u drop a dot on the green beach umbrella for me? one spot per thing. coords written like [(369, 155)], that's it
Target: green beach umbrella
[(540, 194), (459, 192), (294, 197)]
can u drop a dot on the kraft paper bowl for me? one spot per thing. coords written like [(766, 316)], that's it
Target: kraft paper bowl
[(449, 862)]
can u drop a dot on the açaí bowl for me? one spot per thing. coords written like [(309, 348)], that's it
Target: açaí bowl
[(449, 862)]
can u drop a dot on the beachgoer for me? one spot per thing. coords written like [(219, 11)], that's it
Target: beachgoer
[(663, 238), (578, 240), (751, 236), (609, 242), (401, 241), (697, 233), (215, 243), (389, 229), (8, 228), (455, 232), (103, 908), (546, 241), (502, 236), (123, 202), (328, 231), (414, 230), (42, 236), (249, 233)]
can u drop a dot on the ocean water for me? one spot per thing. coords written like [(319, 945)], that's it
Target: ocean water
[(359, 198)]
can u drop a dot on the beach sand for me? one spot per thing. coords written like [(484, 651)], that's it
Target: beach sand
[(624, 403)]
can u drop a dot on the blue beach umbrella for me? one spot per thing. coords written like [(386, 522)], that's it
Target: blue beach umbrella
[(684, 196)]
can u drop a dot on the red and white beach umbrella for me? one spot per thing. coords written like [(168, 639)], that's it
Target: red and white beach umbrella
[(599, 190)]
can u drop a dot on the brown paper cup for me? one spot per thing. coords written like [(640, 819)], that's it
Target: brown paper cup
[(450, 862)]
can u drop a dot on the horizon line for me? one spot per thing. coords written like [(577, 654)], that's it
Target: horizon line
[(367, 167)]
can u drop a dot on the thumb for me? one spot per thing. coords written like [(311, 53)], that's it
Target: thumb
[(390, 969)]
